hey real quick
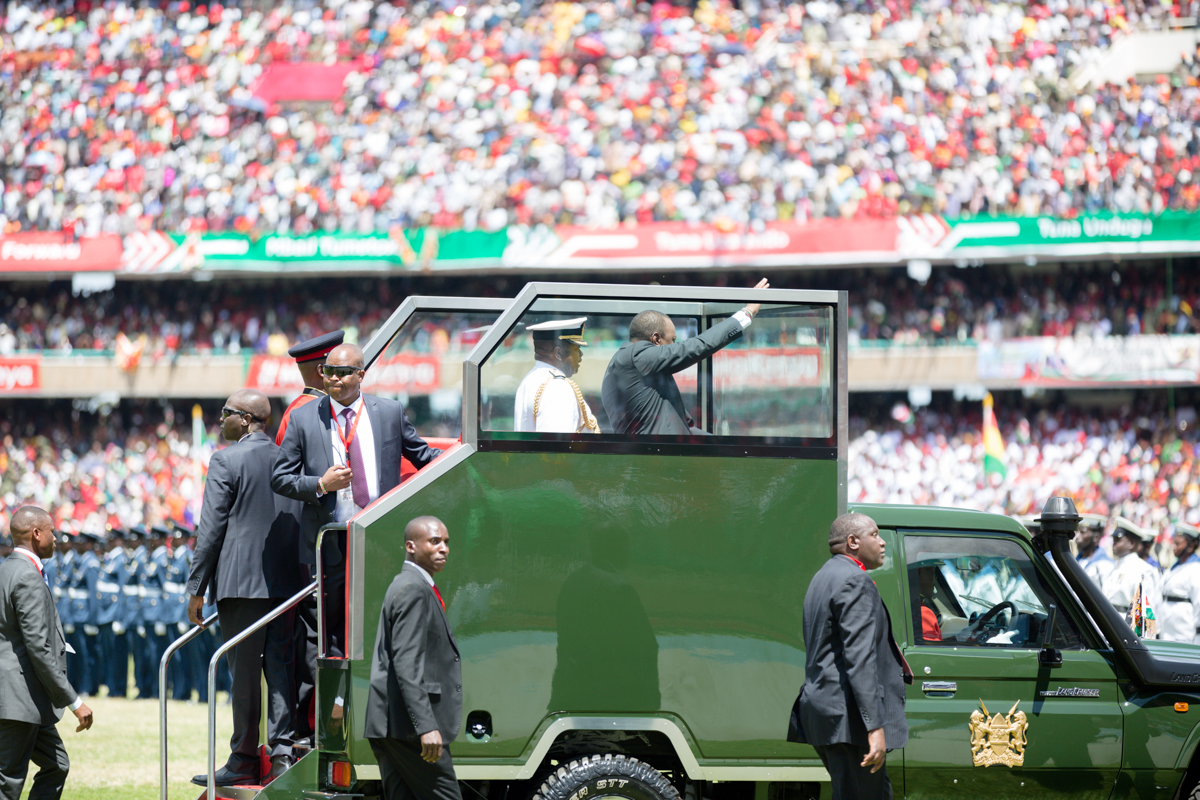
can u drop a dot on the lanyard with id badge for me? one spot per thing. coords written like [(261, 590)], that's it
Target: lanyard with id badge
[(346, 507)]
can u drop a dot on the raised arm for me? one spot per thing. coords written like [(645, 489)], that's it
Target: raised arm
[(672, 358)]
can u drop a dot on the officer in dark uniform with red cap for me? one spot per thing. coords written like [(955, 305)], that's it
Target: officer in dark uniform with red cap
[(310, 357)]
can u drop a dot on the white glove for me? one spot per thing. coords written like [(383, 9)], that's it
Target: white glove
[(182, 627), (91, 630), (160, 629), (141, 629), (118, 628), (68, 628)]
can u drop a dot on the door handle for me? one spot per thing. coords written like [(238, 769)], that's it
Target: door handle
[(939, 688)]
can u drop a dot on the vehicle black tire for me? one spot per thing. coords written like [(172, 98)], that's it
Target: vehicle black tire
[(1193, 793), (609, 775)]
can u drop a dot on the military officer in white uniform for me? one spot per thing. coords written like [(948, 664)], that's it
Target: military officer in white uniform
[(548, 401), (1180, 615), (1130, 570)]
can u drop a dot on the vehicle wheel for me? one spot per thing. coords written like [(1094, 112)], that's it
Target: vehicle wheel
[(606, 776), (1193, 793)]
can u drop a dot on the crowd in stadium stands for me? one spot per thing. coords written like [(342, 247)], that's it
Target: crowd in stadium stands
[(130, 467), (885, 305), (123, 116), (1142, 465)]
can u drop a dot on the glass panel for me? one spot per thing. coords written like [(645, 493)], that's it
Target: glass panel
[(777, 379), (515, 360), (422, 367), (980, 592)]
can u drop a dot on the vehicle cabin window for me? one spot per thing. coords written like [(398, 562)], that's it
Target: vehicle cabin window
[(422, 367), (980, 592), (775, 381)]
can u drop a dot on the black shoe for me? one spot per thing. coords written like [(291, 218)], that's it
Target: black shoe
[(225, 777), (280, 765), (303, 744)]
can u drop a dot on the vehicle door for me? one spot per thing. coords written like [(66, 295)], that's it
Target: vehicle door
[(984, 715)]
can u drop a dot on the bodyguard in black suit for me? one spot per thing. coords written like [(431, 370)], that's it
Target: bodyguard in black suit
[(851, 708), (247, 555), (414, 708), (639, 390), (33, 665), (316, 462)]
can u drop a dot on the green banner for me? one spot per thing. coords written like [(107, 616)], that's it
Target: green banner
[(1170, 232), (421, 248)]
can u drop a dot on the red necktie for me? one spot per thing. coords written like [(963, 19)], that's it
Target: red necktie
[(439, 596)]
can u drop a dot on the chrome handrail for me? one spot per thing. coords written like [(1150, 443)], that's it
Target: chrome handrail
[(328, 527), (279, 610), (195, 631)]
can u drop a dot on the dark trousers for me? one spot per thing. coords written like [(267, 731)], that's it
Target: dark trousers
[(116, 660), (407, 776), (306, 666), (850, 780), (23, 742), (267, 651), (95, 663), (144, 675)]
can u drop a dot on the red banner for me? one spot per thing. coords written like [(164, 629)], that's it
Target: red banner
[(408, 372), (678, 244), (19, 375), (57, 252), (775, 368)]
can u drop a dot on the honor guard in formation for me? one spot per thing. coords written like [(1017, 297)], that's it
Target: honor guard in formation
[(548, 401), (111, 618), (1092, 557), (1180, 615), (6, 546), (181, 672), (1130, 572)]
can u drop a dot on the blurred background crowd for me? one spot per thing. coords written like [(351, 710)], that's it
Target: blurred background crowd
[(886, 307), (122, 116)]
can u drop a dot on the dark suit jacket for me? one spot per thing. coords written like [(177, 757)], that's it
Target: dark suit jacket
[(639, 393), (33, 649), (247, 544), (307, 452), (853, 673), (416, 675)]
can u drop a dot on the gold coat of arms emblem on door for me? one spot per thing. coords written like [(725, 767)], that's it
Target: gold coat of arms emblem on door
[(999, 738)]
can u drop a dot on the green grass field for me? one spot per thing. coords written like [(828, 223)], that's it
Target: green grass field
[(118, 757)]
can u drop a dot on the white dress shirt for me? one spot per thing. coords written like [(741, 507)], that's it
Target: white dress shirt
[(428, 578), (366, 443)]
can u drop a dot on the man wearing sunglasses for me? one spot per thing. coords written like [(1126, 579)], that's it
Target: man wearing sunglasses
[(248, 557), (343, 451)]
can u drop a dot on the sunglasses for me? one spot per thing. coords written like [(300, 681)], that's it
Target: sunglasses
[(330, 371), (227, 412)]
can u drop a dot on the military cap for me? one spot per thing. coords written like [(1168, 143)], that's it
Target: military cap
[(139, 532), (1127, 528), (5, 540), (1190, 531), (1095, 522), (159, 532), (316, 347), (570, 330), (182, 530), (94, 538)]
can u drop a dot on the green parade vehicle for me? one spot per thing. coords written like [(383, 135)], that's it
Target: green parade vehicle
[(628, 607)]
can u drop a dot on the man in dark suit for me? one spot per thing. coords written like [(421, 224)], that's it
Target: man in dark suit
[(247, 554), (851, 708), (639, 390), (343, 452), (414, 706), (33, 663)]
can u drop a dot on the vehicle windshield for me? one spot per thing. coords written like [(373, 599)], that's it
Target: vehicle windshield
[(422, 367)]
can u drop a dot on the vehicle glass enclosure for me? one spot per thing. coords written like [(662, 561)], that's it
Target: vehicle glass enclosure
[(417, 356), (981, 592), (776, 385)]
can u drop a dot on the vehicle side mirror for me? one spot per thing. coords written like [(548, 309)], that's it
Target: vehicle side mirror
[(967, 564), (1048, 656)]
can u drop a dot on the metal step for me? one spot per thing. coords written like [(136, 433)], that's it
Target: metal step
[(233, 793)]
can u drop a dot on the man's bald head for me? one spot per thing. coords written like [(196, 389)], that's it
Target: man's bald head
[(427, 543), (845, 525), (346, 355), (252, 401), (24, 520)]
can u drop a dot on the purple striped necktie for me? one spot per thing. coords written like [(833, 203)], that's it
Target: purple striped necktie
[(358, 484)]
